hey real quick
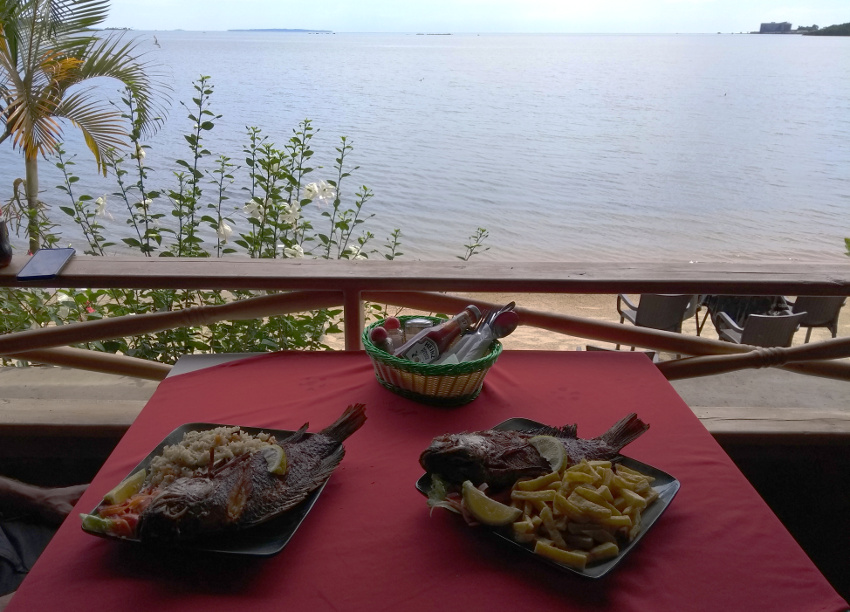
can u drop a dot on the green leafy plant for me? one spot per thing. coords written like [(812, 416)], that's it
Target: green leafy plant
[(476, 244), (285, 216)]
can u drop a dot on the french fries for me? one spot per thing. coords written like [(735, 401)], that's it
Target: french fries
[(579, 515)]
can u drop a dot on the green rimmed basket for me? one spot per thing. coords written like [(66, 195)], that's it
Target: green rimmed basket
[(439, 385)]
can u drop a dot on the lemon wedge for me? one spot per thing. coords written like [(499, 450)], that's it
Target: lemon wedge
[(486, 510), (276, 459), (552, 450), (126, 489)]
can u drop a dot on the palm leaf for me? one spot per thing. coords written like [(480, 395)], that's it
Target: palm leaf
[(69, 17), (102, 126), (115, 58)]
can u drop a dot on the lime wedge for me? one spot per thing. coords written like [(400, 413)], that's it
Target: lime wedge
[(486, 510), (276, 459), (552, 450), (95, 524), (126, 489)]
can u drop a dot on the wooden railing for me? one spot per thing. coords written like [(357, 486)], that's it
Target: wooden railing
[(288, 286)]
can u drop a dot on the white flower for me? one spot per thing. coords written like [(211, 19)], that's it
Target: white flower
[(224, 231), (295, 252), (101, 211), (254, 210), (353, 252), (64, 297), (291, 213), (321, 192)]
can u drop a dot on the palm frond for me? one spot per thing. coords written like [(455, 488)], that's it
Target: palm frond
[(101, 124), (115, 58), (33, 128), (70, 17), (9, 30)]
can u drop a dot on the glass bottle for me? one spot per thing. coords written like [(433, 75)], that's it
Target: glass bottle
[(393, 327), (429, 344)]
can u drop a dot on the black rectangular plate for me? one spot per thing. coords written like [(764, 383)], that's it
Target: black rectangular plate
[(263, 540), (664, 483)]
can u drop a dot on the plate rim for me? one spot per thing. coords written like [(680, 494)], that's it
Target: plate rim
[(599, 570), (276, 541)]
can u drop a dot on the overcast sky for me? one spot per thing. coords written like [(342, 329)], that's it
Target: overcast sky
[(532, 16)]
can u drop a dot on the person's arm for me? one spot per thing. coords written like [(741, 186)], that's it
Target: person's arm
[(51, 505)]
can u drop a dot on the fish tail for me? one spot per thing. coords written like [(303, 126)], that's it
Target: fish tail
[(350, 421), (295, 436), (624, 431)]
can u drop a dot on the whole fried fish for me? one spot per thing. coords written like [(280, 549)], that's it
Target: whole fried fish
[(243, 492), (500, 458)]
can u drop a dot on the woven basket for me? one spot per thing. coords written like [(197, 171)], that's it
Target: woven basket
[(440, 385)]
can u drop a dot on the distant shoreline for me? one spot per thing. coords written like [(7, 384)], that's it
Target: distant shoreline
[(281, 30)]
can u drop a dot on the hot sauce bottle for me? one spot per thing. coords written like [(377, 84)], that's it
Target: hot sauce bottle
[(429, 344)]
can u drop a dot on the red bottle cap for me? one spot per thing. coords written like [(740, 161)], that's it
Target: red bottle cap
[(378, 335)]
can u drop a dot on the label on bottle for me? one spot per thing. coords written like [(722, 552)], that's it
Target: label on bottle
[(424, 351)]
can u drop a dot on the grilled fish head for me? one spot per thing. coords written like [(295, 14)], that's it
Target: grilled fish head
[(498, 458), (459, 457), (190, 507)]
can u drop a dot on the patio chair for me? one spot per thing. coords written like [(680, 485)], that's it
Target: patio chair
[(655, 311), (693, 310), (760, 330), (821, 311)]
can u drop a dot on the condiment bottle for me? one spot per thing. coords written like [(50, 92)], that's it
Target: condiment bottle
[(414, 326), (429, 344), (393, 327), (381, 340)]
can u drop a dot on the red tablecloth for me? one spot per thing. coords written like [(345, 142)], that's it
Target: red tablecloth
[(370, 543)]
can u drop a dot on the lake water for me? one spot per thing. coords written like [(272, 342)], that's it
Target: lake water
[(564, 147)]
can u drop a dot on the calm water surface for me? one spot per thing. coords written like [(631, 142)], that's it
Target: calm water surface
[(564, 147)]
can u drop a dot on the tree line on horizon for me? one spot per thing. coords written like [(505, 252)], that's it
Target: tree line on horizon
[(842, 29)]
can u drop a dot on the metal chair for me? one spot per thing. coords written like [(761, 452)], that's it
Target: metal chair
[(821, 311), (655, 311), (760, 330)]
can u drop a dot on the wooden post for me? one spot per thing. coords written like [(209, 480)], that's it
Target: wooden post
[(353, 313)]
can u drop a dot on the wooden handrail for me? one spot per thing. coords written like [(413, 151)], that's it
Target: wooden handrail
[(755, 357), (791, 278), (195, 316), (96, 361)]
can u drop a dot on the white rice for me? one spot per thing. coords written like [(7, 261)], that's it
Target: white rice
[(192, 454)]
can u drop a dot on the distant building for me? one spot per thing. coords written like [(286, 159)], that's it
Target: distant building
[(775, 28)]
